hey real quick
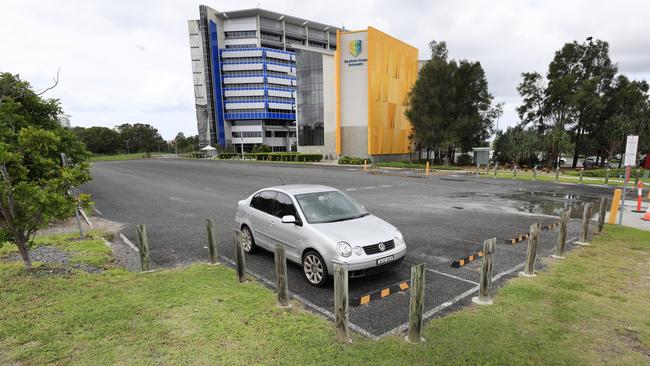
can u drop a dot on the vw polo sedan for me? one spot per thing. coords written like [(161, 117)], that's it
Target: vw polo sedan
[(319, 225)]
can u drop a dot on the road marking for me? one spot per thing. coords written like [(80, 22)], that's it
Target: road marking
[(128, 242), (308, 303), (350, 189), (452, 276), (460, 297)]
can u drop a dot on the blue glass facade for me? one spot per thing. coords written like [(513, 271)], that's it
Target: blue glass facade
[(216, 83), (261, 82)]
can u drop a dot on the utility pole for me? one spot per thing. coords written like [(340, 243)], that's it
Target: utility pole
[(127, 146)]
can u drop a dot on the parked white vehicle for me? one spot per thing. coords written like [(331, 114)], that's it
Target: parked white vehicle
[(319, 225)]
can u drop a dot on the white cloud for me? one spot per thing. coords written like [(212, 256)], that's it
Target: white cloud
[(128, 61)]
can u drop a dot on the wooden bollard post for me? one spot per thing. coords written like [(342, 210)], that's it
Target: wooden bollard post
[(531, 253), (601, 214), (365, 165), (426, 169), (144, 246), (607, 176), (557, 173), (239, 257), (514, 172), (586, 216), (535, 173), (212, 246), (582, 171), (483, 298), (561, 235), (341, 302), (416, 304), (496, 166), (281, 275)]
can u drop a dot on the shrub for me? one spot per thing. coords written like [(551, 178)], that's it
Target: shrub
[(310, 157), (465, 159), (227, 155), (348, 160)]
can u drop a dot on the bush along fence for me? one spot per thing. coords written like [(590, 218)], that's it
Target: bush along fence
[(274, 156), (416, 285)]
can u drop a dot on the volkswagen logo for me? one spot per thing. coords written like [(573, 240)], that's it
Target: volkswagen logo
[(382, 247)]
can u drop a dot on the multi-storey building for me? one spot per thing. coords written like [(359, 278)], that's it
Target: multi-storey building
[(245, 66)]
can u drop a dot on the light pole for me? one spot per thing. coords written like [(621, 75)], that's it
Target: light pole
[(127, 146)]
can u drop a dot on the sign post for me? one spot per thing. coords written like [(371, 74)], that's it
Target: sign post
[(630, 161)]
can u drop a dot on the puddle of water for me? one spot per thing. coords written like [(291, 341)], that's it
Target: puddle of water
[(540, 202), (553, 203)]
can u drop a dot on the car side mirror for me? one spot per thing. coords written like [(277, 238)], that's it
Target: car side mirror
[(289, 219)]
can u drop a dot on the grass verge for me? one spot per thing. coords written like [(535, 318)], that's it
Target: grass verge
[(588, 309), (550, 177), (408, 165), (132, 156)]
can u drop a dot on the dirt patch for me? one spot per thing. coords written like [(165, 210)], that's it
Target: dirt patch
[(54, 256), (633, 340)]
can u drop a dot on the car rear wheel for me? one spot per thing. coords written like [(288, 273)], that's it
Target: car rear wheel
[(247, 240), (314, 268)]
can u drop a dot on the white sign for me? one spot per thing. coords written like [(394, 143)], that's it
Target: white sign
[(630, 150)]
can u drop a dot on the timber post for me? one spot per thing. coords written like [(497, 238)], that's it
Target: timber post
[(416, 304), (143, 246), (584, 231), (561, 235), (212, 246), (281, 275), (341, 302), (239, 257), (483, 298), (531, 252), (601, 214)]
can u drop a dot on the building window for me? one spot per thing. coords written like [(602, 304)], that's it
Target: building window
[(310, 114)]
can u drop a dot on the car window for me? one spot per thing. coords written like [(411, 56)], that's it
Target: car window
[(284, 206), (264, 201), (322, 207)]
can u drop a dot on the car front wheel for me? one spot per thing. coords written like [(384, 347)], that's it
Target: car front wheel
[(247, 240), (314, 268)]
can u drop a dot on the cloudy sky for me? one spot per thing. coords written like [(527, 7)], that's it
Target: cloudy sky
[(129, 61)]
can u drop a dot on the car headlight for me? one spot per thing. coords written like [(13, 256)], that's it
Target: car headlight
[(344, 249), (399, 239), (358, 251)]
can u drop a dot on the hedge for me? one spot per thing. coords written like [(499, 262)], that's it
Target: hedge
[(275, 156), (349, 160)]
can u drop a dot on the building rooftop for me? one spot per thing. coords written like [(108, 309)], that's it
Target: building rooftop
[(276, 16)]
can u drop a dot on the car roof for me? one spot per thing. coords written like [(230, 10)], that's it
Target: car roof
[(294, 189)]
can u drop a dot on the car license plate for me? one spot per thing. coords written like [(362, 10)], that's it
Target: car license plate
[(385, 260)]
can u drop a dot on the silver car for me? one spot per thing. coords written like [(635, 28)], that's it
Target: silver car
[(319, 225)]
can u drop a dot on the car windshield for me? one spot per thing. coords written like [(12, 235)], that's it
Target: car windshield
[(322, 207)]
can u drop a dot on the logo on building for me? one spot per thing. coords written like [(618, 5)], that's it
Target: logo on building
[(355, 47)]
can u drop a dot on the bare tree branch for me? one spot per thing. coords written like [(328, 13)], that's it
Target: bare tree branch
[(56, 82)]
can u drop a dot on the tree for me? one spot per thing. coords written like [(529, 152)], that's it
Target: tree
[(449, 105), (141, 137), (33, 184), (100, 140), (583, 96), (517, 145)]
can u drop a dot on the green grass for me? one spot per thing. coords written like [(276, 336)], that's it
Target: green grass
[(588, 309), (408, 165), (132, 156), (550, 177)]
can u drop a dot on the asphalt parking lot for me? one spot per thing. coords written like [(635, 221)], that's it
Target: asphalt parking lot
[(443, 218)]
